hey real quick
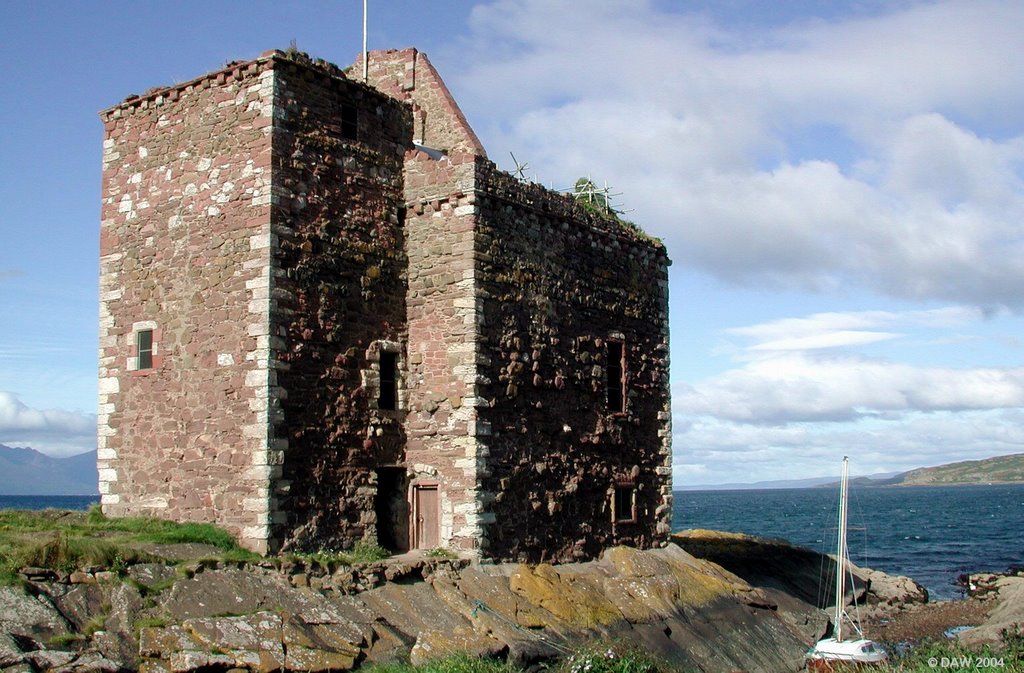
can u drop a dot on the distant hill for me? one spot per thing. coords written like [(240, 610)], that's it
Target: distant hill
[(763, 485), (1001, 469), (28, 472), (997, 470)]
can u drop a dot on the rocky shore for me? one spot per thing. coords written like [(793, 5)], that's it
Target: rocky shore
[(710, 602), (894, 610)]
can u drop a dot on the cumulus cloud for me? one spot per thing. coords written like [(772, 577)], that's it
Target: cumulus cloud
[(883, 151), (799, 370), (711, 448), (799, 388), (51, 431), (801, 393)]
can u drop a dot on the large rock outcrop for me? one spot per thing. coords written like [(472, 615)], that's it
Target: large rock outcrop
[(689, 612), (778, 566), (1006, 593)]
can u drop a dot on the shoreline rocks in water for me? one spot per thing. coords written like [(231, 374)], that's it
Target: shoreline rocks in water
[(746, 613), (893, 608), (1003, 595)]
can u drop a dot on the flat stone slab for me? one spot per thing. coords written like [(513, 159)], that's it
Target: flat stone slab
[(182, 551), (25, 615)]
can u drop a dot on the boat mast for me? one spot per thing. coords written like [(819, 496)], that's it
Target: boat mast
[(841, 553)]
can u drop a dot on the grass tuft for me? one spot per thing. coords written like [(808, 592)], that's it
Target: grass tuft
[(457, 663), (65, 541), (440, 552), (606, 658), (329, 561)]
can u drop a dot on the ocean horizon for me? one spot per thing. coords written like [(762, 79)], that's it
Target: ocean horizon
[(932, 534)]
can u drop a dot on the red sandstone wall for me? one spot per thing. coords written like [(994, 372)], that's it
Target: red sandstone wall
[(338, 298), (184, 248), (442, 445), (407, 75), (556, 284)]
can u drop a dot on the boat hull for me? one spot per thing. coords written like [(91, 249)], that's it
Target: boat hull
[(831, 652)]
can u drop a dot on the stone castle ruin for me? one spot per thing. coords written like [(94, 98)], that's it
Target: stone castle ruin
[(326, 316)]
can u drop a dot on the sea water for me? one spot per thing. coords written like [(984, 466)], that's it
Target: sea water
[(72, 502), (930, 533)]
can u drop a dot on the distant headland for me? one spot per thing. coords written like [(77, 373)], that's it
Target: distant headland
[(996, 470)]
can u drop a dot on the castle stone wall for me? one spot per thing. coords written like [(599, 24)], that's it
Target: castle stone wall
[(557, 283), (184, 251), (443, 313), (338, 300)]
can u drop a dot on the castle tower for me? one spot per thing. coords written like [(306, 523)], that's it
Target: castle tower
[(326, 316), (252, 276)]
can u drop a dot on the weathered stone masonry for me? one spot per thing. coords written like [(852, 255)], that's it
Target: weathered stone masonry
[(185, 248), (275, 227), (340, 263)]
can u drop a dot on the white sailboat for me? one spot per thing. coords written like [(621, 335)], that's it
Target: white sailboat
[(847, 643)]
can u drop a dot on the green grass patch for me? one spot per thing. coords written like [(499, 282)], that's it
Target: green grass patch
[(329, 561), (63, 641), (599, 658), (457, 663), (65, 541), (439, 553), (609, 658)]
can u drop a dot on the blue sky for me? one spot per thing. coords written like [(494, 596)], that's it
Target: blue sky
[(840, 186)]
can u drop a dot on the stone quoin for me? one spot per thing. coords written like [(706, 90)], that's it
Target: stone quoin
[(326, 316)]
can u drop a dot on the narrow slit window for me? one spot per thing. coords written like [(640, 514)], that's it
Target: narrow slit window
[(387, 398), (349, 123), (144, 348), (616, 371), (625, 503)]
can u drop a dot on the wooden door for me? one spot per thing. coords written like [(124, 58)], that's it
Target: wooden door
[(426, 526)]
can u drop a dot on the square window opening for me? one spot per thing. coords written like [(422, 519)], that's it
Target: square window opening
[(144, 348), (387, 396), (625, 503), (349, 123)]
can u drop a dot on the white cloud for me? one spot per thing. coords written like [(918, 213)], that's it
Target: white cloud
[(918, 195), (834, 329), (51, 431), (800, 395), (800, 388), (708, 452), (801, 370)]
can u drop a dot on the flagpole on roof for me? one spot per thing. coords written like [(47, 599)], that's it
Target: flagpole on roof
[(366, 54)]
